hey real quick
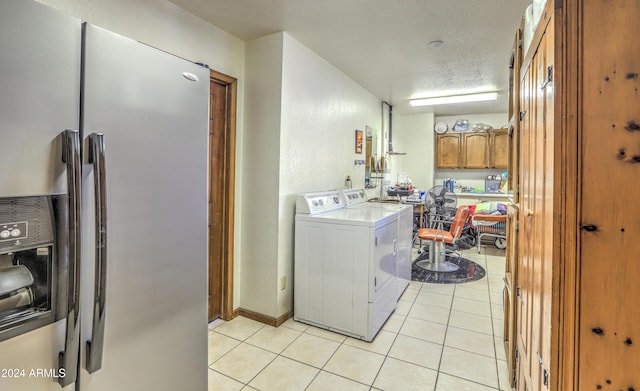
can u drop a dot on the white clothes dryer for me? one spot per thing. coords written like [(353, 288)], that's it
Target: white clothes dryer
[(344, 265), (357, 198)]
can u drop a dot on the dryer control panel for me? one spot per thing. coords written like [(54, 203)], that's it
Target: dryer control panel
[(314, 203), (353, 197)]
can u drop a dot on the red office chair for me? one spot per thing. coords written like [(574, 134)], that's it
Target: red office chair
[(438, 237)]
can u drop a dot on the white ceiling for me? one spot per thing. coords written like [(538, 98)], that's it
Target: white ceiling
[(382, 44)]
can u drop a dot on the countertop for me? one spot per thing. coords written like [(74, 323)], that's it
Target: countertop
[(482, 195)]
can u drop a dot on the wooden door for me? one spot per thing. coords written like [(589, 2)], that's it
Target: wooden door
[(514, 117), (514, 158), (609, 264), (523, 280), (448, 150), (511, 271), (538, 278), (499, 148), (549, 225), (221, 194), (475, 150), (537, 249)]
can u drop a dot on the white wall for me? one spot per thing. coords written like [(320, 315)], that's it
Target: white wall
[(497, 120), (413, 134), (162, 24), (165, 26), (321, 110), (300, 136), (259, 225)]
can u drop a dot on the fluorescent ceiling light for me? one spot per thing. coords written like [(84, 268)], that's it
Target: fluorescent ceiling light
[(441, 100)]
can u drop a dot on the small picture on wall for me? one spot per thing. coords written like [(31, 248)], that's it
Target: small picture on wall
[(359, 140)]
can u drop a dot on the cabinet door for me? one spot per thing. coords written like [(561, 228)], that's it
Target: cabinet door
[(475, 150), (514, 72), (499, 147), (514, 117), (510, 280), (524, 263), (448, 148), (514, 158), (536, 250)]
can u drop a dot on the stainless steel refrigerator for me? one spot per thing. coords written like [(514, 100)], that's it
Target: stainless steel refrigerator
[(103, 209)]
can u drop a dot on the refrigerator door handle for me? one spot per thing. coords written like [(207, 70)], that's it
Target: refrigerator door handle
[(95, 345), (68, 358)]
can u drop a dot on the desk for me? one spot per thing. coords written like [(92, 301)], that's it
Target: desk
[(419, 209)]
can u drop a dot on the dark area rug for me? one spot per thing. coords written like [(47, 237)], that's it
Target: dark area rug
[(467, 271)]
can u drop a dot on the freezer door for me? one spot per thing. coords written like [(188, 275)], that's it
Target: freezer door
[(39, 99), (154, 119), (39, 95)]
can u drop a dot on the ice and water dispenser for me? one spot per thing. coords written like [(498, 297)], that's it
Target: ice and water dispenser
[(31, 270)]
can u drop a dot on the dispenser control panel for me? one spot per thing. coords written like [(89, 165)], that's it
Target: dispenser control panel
[(13, 231)]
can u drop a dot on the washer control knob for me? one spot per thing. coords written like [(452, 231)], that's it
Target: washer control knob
[(15, 232), (5, 234)]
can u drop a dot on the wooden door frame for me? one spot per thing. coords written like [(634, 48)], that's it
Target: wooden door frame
[(228, 191)]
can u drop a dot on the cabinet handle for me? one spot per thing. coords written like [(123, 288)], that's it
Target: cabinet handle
[(549, 78), (529, 212)]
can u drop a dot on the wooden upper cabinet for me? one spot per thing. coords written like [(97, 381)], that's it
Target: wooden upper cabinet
[(475, 150), (499, 146), (472, 150), (448, 147)]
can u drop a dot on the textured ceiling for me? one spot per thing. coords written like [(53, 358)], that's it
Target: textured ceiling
[(382, 44)]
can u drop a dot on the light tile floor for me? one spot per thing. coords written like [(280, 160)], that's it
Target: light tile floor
[(440, 337)]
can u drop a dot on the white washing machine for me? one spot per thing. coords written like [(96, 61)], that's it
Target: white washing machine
[(357, 198), (344, 265)]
